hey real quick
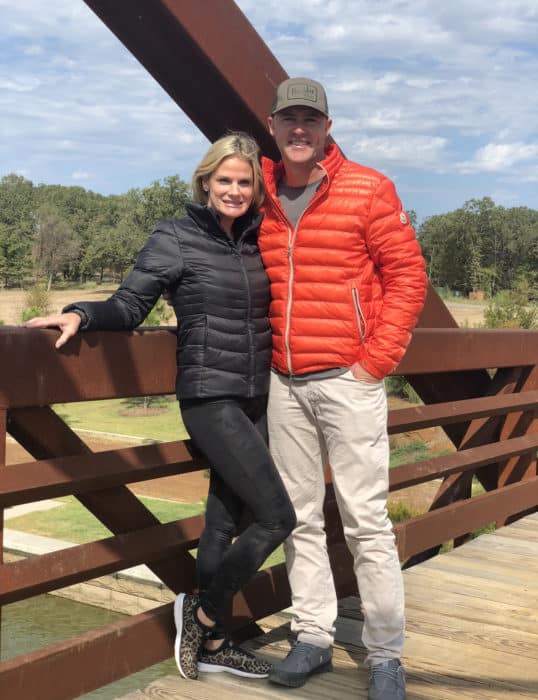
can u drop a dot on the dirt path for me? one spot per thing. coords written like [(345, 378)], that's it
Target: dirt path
[(13, 301), (187, 488), (468, 314), (192, 488)]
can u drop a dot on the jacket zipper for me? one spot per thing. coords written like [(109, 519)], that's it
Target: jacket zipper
[(292, 235), (251, 348), (361, 322)]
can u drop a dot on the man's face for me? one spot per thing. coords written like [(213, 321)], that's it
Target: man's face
[(300, 134)]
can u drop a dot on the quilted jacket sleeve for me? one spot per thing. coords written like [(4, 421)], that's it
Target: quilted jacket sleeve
[(157, 266), (396, 253)]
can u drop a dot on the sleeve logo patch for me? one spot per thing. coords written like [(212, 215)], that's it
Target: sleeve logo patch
[(403, 217)]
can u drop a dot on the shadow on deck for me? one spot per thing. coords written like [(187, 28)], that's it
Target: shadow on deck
[(472, 632)]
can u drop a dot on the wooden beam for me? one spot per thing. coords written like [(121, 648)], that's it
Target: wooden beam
[(53, 478)]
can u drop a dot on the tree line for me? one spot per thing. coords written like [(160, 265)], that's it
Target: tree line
[(482, 246), (52, 233)]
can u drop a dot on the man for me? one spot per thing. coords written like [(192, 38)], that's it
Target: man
[(348, 283)]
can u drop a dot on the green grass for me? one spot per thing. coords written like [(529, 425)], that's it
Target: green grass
[(412, 452), (105, 416), (74, 523)]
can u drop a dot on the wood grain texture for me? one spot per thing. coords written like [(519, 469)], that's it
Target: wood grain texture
[(472, 633)]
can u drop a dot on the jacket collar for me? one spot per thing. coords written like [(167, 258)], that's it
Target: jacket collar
[(273, 172), (208, 222)]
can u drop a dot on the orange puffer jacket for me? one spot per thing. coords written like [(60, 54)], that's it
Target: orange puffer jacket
[(349, 282)]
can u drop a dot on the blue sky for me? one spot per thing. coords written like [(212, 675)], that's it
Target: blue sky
[(439, 96)]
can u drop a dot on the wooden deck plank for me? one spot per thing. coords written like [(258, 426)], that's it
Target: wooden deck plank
[(473, 587), (472, 608), (472, 633)]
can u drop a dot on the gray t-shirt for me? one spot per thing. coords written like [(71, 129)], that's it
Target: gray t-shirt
[(294, 201)]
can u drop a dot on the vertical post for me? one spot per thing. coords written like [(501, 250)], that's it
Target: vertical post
[(3, 433), (525, 466)]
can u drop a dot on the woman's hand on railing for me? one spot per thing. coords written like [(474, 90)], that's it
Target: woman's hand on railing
[(68, 324)]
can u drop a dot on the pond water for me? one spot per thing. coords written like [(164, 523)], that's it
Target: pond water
[(38, 622)]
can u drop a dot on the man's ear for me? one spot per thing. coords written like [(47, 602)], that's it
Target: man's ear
[(328, 127), (270, 125)]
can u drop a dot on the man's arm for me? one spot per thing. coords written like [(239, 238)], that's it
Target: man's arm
[(396, 253)]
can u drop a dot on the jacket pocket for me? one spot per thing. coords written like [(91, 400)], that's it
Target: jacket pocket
[(359, 315)]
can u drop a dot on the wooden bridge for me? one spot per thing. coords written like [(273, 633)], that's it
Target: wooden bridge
[(472, 632), (498, 445), (481, 386)]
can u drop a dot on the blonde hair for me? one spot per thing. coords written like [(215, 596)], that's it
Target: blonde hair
[(233, 145)]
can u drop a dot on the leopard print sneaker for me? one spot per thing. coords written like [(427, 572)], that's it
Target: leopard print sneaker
[(189, 635), (233, 659)]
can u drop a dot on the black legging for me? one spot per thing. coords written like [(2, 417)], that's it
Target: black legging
[(232, 434)]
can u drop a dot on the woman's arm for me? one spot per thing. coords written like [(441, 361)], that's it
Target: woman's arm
[(157, 266)]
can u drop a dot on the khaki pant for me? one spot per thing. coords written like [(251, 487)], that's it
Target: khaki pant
[(342, 420)]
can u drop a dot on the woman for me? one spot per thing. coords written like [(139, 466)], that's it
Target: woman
[(210, 264)]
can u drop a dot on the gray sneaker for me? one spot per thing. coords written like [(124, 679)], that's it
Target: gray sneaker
[(387, 681), (302, 662)]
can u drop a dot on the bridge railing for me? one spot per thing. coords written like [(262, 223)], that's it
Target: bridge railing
[(485, 387)]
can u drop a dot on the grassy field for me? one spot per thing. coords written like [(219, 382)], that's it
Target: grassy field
[(74, 523), (106, 416), (71, 522), (12, 302)]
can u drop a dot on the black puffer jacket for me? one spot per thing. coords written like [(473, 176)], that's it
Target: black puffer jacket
[(220, 294)]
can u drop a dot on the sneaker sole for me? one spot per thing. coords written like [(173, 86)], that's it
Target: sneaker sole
[(296, 680), (214, 668), (178, 619)]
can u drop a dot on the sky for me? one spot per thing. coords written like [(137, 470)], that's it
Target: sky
[(441, 97)]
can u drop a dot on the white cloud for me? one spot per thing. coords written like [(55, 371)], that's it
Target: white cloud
[(410, 151), (498, 157), (421, 89), (80, 175)]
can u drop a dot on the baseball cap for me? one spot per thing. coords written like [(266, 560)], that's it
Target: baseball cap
[(300, 92)]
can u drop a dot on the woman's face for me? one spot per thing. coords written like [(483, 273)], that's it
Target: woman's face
[(230, 190)]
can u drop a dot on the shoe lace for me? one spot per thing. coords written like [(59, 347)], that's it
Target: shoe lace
[(381, 671), (299, 650), (235, 647)]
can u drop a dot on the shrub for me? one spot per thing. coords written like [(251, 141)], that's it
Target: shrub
[(161, 313), (398, 512), (37, 302), (399, 386), (511, 309)]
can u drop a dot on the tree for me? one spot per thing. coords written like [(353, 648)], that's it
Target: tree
[(54, 245), (162, 200), (16, 228), (82, 210), (126, 239)]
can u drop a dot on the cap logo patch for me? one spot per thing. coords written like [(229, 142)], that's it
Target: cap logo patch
[(302, 92), (403, 217)]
